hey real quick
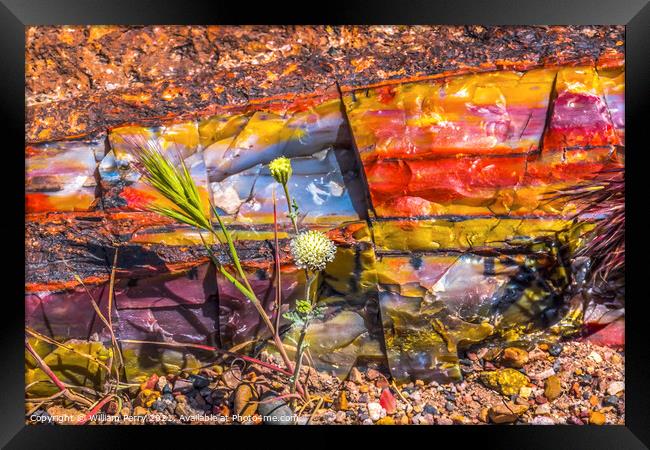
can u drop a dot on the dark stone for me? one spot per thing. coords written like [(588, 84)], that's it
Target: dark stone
[(275, 412), (555, 350), (430, 409), (199, 381), (449, 406), (611, 400), (183, 386), (159, 405), (586, 379)]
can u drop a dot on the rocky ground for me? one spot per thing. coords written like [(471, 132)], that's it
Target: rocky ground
[(570, 383)]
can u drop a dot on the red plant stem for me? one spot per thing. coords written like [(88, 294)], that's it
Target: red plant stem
[(278, 279), (95, 410), (45, 368)]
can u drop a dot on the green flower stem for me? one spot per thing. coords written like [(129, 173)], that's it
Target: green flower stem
[(177, 185), (231, 247), (248, 292), (291, 214), (310, 280), (303, 332)]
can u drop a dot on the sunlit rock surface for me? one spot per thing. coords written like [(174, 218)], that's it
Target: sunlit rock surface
[(477, 144), (68, 365), (580, 116), (67, 314), (434, 305), (463, 175), (467, 234), (440, 196), (324, 183), (120, 180), (60, 176), (350, 330)]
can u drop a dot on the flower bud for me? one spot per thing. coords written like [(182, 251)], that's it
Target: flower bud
[(281, 169)]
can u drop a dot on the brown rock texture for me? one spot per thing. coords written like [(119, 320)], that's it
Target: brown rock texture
[(81, 79)]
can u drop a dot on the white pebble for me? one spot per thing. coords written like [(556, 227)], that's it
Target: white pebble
[(542, 420), (375, 411), (595, 357), (162, 382), (542, 375), (615, 387)]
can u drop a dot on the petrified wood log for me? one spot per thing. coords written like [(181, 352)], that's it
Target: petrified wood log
[(431, 155), (84, 78)]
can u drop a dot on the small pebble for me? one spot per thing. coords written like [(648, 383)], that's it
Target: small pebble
[(159, 405), (355, 376), (542, 420), (575, 421), (199, 381), (182, 386), (596, 418), (586, 379), (594, 356), (611, 400), (615, 387), (555, 350), (375, 411), (525, 391), (542, 375), (449, 406), (430, 409), (161, 383)]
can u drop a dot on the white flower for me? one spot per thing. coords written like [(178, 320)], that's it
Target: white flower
[(312, 250)]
